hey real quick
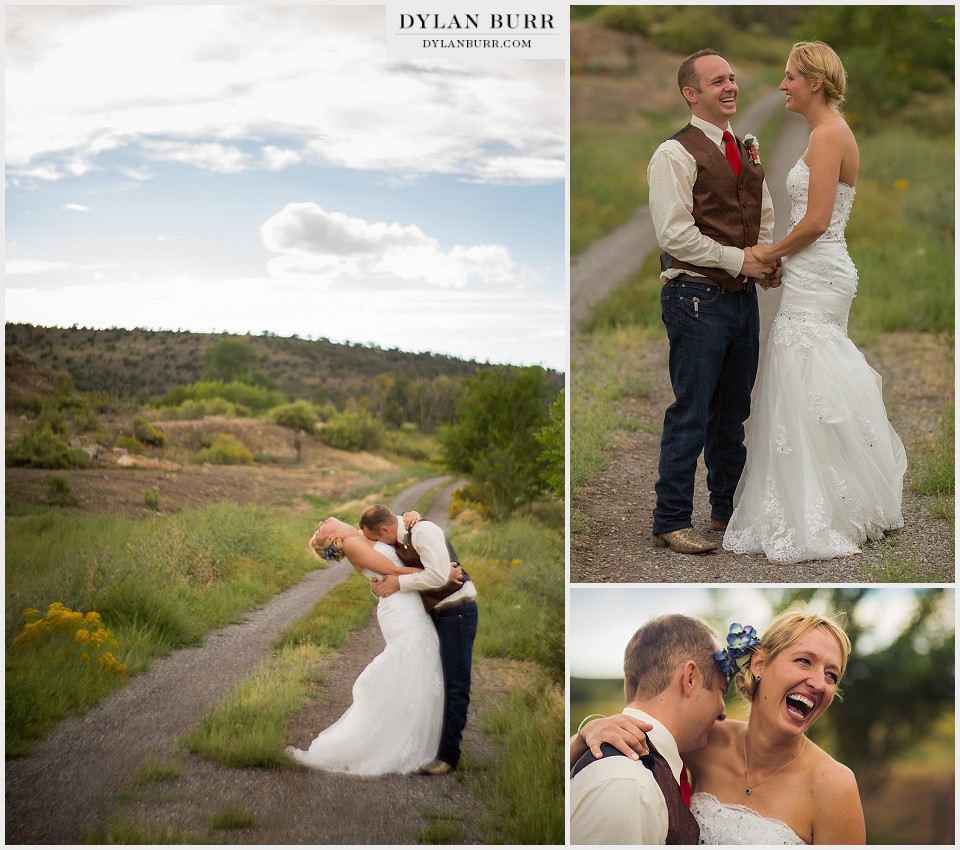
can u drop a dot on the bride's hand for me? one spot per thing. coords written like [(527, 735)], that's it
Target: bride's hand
[(410, 519), (622, 731)]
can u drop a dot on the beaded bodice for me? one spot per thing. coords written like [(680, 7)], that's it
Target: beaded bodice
[(798, 182), (726, 823)]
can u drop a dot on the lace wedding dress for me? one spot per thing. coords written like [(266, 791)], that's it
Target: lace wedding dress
[(394, 723), (726, 823), (824, 467)]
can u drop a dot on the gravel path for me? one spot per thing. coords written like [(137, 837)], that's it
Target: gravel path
[(614, 508), (79, 780)]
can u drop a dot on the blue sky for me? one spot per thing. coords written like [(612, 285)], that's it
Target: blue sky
[(602, 619), (265, 168)]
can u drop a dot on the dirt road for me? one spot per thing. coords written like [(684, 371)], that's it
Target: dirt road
[(78, 782)]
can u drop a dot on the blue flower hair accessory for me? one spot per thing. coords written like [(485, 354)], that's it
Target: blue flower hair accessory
[(741, 642), (333, 552)]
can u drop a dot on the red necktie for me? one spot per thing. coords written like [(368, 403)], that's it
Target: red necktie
[(684, 787), (733, 154)]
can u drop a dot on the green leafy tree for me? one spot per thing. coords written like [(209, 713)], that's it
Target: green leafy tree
[(552, 439), (229, 360), (890, 53), (494, 439)]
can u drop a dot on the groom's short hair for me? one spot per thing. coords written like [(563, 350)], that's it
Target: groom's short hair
[(687, 72), (375, 517), (659, 647)]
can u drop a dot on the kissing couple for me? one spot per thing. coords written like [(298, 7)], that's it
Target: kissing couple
[(410, 703)]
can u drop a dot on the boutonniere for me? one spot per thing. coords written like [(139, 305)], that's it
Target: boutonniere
[(752, 144)]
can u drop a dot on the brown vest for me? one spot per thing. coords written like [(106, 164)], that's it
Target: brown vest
[(411, 558), (682, 826), (725, 208)]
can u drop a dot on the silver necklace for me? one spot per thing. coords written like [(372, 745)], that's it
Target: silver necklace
[(746, 770)]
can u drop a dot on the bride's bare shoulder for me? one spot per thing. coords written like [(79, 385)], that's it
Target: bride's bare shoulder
[(724, 736), (726, 733)]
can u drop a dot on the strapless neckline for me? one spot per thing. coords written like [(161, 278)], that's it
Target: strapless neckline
[(731, 823), (840, 183)]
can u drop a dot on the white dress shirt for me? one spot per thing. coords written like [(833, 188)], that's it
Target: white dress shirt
[(431, 545), (616, 800), (671, 174)]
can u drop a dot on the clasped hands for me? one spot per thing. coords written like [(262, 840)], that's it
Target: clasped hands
[(762, 266)]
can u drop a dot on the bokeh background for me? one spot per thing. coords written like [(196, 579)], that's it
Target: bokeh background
[(894, 727)]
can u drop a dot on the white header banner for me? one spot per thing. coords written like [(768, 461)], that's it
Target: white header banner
[(539, 29)]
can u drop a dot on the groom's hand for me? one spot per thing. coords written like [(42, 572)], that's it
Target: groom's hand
[(753, 267), (389, 585)]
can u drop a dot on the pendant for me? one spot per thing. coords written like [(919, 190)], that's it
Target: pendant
[(749, 789)]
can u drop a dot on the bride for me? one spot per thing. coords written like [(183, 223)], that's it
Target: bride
[(824, 469), (763, 781), (403, 686)]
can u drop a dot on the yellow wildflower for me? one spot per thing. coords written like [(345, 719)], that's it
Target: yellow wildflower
[(902, 183)]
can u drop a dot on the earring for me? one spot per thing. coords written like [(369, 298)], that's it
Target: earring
[(757, 678)]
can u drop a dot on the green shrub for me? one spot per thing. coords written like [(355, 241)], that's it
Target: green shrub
[(25, 405), (629, 19), (352, 432), (237, 393), (41, 448), (299, 415), (131, 444), (224, 450), (147, 433), (198, 409), (60, 493), (151, 498)]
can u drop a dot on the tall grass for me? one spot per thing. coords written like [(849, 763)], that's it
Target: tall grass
[(518, 570), (157, 584), (901, 235), (526, 790)]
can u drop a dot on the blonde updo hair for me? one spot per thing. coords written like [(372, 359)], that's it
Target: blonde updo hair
[(783, 632), (815, 60)]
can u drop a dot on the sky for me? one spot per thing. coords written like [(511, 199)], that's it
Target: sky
[(602, 619), (267, 169)]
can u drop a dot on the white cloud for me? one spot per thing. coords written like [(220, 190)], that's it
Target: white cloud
[(211, 156), (314, 243), (76, 208), (26, 266), (192, 82)]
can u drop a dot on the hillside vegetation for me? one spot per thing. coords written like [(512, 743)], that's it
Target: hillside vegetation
[(141, 364)]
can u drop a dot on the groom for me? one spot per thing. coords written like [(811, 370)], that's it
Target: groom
[(672, 684), (454, 615), (709, 204)]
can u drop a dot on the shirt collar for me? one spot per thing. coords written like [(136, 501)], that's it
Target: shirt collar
[(712, 131), (662, 740)]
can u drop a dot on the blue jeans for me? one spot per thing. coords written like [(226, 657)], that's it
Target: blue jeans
[(457, 629), (714, 339)]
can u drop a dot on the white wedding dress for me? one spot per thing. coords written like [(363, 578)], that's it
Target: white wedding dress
[(726, 823), (393, 725), (824, 468)]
